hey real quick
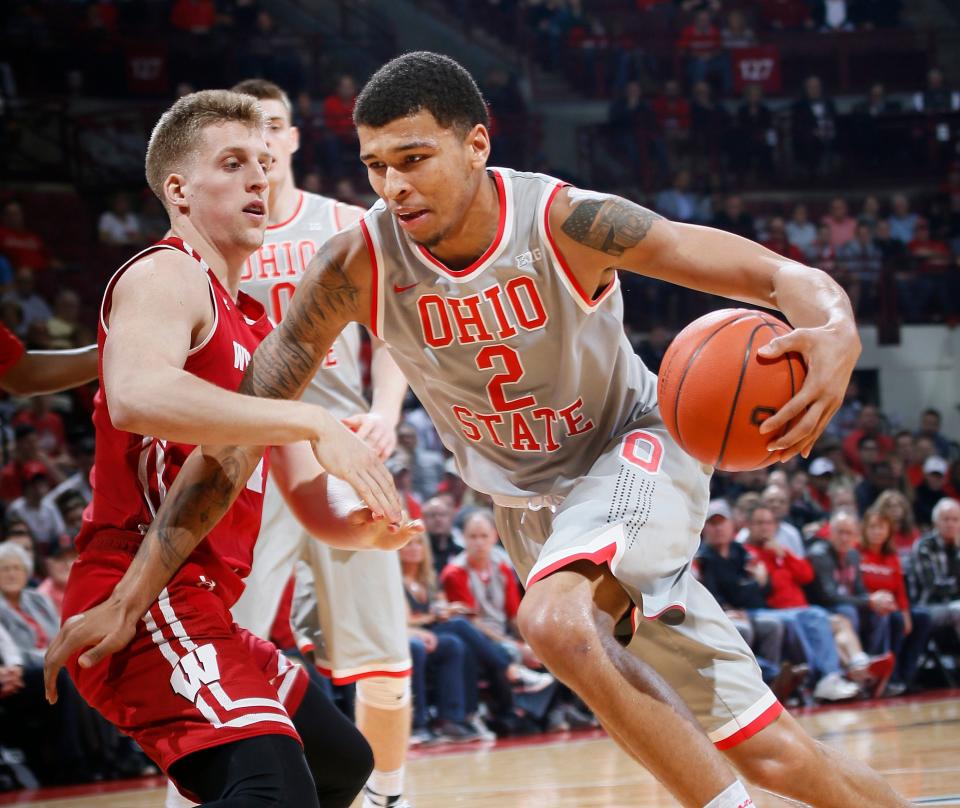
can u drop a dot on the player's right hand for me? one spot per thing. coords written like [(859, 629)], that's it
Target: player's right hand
[(344, 455), (102, 630)]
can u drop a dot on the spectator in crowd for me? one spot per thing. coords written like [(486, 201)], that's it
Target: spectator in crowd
[(634, 130), (820, 476), (923, 448), (814, 129), (803, 510), (936, 567), (22, 246), (821, 253), (709, 129), (776, 240), (441, 656), (929, 493), (427, 437), (754, 137), (726, 569), (120, 225), (902, 220), (338, 119), (194, 16), (894, 250), (43, 518), (801, 232), (64, 327), (48, 425), (880, 568), (26, 450), (58, 565), (785, 574), (936, 97), (777, 499), (78, 483), (841, 224), (838, 587), (734, 219), (446, 541), (702, 45), (930, 423), (869, 423), (673, 117), (831, 15), (310, 124), (678, 202), (861, 262), (33, 307), (869, 212), (737, 33), (786, 15), (29, 617), (426, 465)]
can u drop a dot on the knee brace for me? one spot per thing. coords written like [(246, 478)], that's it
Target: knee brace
[(384, 692)]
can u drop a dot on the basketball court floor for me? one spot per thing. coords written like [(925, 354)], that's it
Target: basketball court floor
[(914, 742)]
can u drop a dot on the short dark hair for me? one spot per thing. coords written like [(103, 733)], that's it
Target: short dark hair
[(933, 411), (421, 81)]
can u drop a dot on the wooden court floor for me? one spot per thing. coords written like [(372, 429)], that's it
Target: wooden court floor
[(914, 743)]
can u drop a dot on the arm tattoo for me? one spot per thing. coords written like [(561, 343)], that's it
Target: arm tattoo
[(287, 359), (609, 225), (192, 509)]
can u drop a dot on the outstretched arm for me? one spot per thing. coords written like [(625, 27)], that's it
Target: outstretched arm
[(40, 372), (210, 480), (600, 233)]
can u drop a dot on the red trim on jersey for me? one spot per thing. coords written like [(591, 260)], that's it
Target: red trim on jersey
[(590, 301), (664, 610), (296, 212), (346, 680), (602, 556), (375, 281), (501, 226), (765, 718), (11, 349)]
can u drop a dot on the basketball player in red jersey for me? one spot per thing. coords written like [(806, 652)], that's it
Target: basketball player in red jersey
[(222, 712), (33, 373), (511, 334)]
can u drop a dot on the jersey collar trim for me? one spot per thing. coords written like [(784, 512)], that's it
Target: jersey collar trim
[(500, 241), (296, 213)]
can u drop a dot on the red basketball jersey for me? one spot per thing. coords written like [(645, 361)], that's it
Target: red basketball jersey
[(132, 473)]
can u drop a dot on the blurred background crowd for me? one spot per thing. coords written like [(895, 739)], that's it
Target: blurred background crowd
[(825, 129)]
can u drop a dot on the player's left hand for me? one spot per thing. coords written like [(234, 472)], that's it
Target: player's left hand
[(374, 430), (102, 630), (830, 353), (378, 534)]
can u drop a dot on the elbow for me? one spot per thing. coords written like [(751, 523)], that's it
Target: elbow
[(129, 411)]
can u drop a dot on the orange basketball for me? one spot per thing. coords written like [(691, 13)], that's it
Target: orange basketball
[(715, 391)]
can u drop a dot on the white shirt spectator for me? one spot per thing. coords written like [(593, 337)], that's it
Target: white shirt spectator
[(45, 523), (114, 229), (788, 537)]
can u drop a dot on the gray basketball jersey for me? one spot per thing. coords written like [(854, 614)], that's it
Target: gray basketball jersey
[(525, 376), (271, 276)]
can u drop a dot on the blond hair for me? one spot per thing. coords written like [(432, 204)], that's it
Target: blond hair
[(177, 134)]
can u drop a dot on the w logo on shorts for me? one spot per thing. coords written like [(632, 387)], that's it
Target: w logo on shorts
[(194, 670)]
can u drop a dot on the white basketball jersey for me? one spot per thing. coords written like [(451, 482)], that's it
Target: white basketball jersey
[(525, 376), (271, 276)]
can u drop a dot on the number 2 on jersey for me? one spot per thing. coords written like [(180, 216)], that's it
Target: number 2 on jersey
[(513, 371)]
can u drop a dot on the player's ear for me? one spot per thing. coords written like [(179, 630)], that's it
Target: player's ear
[(295, 139), (478, 142), (174, 190)]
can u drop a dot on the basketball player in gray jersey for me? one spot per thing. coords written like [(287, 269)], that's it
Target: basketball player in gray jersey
[(497, 293), (361, 610)]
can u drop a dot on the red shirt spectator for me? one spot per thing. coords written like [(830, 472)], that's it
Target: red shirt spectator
[(51, 436), (338, 108), (21, 246), (930, 254), (702, 39), (777, 241), (788, 576), (881, 571), (194, 16), (455, 579), (672, 110), (785, 13)]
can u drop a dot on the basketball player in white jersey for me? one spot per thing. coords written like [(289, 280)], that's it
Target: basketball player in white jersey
[(360, 603), (497, 293)]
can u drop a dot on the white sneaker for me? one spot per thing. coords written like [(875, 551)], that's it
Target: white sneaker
[(833, 687), (531, 681), (368, 803), (480, 727)]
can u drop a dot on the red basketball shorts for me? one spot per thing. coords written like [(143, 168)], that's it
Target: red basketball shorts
[(191, 678)]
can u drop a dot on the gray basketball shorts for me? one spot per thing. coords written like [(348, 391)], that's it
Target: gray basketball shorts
[(357, 612), (639, 510)]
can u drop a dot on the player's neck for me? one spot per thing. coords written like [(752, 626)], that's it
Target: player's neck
[(227, 265), (468, 240), (284, 197)]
